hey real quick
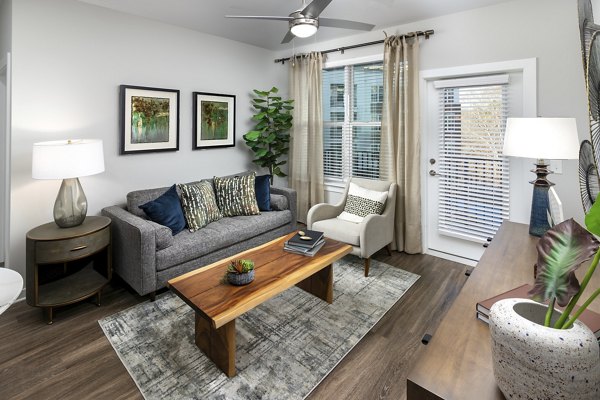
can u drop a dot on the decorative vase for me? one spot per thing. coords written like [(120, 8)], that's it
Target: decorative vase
[(240, 279), (532, 361)]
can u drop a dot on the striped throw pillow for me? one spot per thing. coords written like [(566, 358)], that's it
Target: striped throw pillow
[(199, 205), (236, 195)]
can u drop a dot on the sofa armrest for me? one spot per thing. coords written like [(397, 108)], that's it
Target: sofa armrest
[(134, 249), (292, 202)]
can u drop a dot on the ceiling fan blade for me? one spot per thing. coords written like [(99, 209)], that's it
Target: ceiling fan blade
[(269, 17), (345, 24), (315, 8), (288, 37)]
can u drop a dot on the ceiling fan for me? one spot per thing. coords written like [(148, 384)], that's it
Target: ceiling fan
[(305, 21)]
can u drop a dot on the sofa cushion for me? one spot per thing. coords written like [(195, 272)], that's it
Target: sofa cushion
[(236, 195), (218, 235), (338, 229), (279, 202), (199, 205), (262, 187), (362, 202), (166, 210)]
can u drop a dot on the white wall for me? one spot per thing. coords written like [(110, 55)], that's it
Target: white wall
[(5, 48), (69, 60), (545, 29)]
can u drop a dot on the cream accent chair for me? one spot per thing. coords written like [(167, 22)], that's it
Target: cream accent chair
[(367, 237)]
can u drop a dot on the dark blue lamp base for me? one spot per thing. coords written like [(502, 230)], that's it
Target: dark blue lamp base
[(540, 205)]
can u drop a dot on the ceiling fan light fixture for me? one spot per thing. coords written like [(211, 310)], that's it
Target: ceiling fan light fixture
[(304, 27)]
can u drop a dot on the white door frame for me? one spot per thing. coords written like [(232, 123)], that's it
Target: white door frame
[(528, 69), (5, 72)]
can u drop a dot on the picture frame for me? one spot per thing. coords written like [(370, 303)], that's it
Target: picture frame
[(214, 120), (149, 119)]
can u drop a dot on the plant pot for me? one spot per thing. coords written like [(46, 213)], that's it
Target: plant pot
[(532, 361), (240, 279)]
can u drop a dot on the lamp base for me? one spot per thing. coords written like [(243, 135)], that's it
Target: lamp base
[(538, 222), (70, 207)]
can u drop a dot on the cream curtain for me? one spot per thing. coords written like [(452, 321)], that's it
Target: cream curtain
[(306, 136), (400, 137)]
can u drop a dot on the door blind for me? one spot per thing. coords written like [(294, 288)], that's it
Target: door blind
[(474, 175)]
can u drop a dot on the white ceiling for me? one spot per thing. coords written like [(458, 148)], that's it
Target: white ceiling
[(208, 15)]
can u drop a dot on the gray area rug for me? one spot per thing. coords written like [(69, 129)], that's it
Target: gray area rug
[(285, 347)]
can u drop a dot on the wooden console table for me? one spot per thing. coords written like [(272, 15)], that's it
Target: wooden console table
[(457, 362)]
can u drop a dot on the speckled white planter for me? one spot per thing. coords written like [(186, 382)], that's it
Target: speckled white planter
[(534, 362)]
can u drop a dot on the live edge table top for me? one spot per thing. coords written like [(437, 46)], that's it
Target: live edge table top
[(275, 271)]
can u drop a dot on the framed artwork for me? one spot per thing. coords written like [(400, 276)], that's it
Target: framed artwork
[(214, 120), (149, 119)]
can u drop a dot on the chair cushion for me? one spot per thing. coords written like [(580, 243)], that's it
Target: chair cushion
[(338, 229), (362, 202), (199, 205), (262, 186), (236, 195), (166, 210)]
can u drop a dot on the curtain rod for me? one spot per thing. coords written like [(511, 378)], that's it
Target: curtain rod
[(426, 33)]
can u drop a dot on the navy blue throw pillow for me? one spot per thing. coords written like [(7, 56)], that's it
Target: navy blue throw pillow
[(166, 210), (262, 187)]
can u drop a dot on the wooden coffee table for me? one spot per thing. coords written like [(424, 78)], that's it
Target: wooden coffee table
[(218, 304)]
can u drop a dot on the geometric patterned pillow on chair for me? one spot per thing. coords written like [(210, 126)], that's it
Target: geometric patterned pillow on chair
[(362, 202)]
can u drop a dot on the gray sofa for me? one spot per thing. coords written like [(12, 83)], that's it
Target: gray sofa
[(146, 255)]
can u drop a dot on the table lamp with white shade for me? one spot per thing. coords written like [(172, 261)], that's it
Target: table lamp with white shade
[(68, 160), (543, 139)]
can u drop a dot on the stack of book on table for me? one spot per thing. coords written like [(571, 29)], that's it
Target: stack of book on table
[(305, 242), (588, 317)]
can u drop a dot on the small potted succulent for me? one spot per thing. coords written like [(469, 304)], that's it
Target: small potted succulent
[(240, 272), (539, 352)]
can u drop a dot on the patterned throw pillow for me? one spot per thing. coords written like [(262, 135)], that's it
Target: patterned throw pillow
[(199, 205), (362, 202), (236, 195)]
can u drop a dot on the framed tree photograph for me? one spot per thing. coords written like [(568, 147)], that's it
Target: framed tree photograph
[(149, 119), (214, 120)]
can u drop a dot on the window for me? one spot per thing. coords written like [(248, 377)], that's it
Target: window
[(474, 175), (352, 106), (337, 95)]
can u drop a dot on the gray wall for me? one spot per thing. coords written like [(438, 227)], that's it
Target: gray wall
[(544, 29), (5, 47), (67, 72), (5, 26), (69, 59)]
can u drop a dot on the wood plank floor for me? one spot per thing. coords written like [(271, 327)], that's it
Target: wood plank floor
[(72, 359)]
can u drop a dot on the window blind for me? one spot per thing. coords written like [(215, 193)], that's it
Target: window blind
[(352, 105), (474, 175)]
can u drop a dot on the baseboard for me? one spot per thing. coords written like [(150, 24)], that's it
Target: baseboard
[(452, 257)]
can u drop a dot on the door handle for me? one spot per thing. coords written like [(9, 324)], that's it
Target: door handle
[(434, 173)]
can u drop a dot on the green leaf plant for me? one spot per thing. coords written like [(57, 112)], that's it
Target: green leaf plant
[(561, 250), (269, 140), (240, 266)]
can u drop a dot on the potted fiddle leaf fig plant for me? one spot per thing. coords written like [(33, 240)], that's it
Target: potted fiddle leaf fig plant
[(540, 352), (240, 272), (269, 139)]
